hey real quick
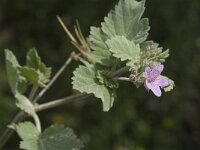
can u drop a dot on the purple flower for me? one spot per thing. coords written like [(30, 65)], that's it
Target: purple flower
[(154, 80)]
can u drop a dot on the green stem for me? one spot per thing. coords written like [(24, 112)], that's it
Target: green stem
[(9, 132), (122, 78), (21, 115), (37, 122), (32, 93), (60, 71), (120, 71), (62, 101)]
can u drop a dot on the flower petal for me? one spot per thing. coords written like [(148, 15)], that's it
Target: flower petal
[(156, 71), (162, 82), (154, 88), (148, 84), (148, 72)]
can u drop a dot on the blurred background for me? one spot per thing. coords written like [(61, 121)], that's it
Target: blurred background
[(138, 120)]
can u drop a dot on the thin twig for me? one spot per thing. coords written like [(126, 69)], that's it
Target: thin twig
[(37, 122), (54, 78), (35, 116), (62, 101), (122, 78), (21, 115), (120, 71), (9, 132), (32, 93)]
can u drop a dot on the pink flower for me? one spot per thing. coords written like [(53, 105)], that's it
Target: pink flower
[(154, 81)]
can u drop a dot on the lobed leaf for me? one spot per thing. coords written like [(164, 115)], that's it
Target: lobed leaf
[(122, 48), (29, 135), (32, 59), (44, 73), (125, 20), (32, 76), (24, 104), (57, 137), (101, 51), (85, 80), (12, 73)]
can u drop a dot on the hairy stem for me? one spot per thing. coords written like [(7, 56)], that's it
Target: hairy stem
[(54, 78), (21, 115), (32, 93), (122, 78), (37, 122), (9, 132), (62, 101), (120, 71)]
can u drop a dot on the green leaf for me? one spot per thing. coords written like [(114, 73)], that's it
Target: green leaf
[(31, 75), (170, 86), (11, 58), (56, 137), (12, 74), (22, 85), (125, 20), (29, 135), (85, 80), (122, 48), (101, 51), (32, 59), (44, 73), (24, 104)]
